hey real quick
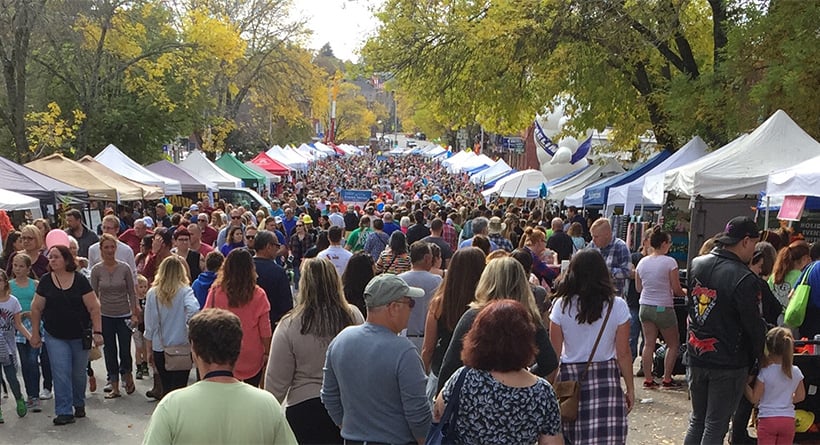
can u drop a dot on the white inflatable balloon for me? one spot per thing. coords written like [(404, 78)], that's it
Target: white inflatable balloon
[(562, 156), (569, 142)]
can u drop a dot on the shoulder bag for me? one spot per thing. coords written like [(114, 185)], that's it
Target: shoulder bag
[(444, 432), (799, 300), (177, 357), (569, 391)]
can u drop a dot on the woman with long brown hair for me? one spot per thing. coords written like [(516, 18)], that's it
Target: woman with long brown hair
[(449, 303), (789, 263), (235, 289), (294, 373)]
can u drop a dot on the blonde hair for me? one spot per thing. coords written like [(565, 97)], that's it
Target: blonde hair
[(35, 232), (321, 303), (141, 279), (26, 259), (171, 276), (504, 278), (780, 343), (496, 254)]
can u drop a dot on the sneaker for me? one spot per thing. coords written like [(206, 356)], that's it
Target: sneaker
[(79, 412), (138, 374), (671, 384), (650, 384), (22, 410), (45, 394), (33, 405), (63, 420), (108, 387)]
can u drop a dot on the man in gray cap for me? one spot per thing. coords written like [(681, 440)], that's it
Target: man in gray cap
[(374, 381)]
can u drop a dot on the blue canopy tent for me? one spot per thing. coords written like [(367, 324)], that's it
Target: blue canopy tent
[(475, 170), (596, 195), (568, 176)]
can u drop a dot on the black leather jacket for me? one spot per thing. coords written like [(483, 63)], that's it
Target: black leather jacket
[(726, 329)]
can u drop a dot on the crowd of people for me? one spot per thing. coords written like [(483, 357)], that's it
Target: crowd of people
[(365, 320)]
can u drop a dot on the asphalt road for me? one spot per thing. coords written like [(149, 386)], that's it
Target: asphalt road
[(660, 419)]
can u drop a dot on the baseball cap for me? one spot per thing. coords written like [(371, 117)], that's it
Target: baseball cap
[(194, 208), (277, 219), (149, 222), (387, 288), (738, 228)]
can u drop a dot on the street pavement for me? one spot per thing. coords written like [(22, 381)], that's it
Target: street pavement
[(660, 419)]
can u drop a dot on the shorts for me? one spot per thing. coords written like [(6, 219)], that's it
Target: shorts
[(664, 318), (139, 340)]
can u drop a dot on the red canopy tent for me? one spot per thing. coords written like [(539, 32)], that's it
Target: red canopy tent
[(270, 164), (338, 150)]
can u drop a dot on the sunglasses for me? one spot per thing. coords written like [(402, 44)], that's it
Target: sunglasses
[(300, 225), (250, 237), (236, 217)]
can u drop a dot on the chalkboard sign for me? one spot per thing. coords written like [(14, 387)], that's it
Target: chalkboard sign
[(809, 226)]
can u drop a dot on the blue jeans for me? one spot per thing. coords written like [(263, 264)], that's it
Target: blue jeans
[(30, 368), (116, 332), (635, 331), (68, 361), (11, 376), (715, 395)]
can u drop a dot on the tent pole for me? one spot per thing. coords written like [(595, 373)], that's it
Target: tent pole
[(766, 214)]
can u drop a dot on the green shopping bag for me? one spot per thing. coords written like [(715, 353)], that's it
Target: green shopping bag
[(799, 299)]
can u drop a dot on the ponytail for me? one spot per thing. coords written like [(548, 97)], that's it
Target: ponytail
[(779, 342)]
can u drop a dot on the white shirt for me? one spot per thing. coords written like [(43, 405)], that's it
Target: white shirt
[(654, 272), (338, 256), (777, 392), (124, 253), (336, 219), (579, 339)]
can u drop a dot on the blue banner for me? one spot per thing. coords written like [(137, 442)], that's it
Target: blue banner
[(356, 197)]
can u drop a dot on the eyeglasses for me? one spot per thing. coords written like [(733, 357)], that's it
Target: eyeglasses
[(411, 302), (236, 217), (250, 237), (26, 238), (300, 225)]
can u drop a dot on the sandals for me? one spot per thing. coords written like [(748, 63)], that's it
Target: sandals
[(129, 384), (113, 395)]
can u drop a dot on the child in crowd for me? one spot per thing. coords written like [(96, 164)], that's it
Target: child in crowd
[(23, 287), (10, 318), (139, 344), (202, 284), (778, 387)]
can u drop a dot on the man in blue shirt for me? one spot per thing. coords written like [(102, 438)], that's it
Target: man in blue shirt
[(270, 276), (374, 381)]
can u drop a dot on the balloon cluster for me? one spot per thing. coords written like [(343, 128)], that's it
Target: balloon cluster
[(555, 162)]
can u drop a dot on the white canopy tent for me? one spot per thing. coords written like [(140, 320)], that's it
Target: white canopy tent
[(349, 149), (495, 170), (516, 184), (316, 154), (15, 201), (743, 166), (324, 149), (307, 157), (272, 179), (435, 150), (476, 161), (454, 162), (800, 180), (198, 165), (631, 195), (581, 181), (577, 198), (288, 158), (117, 161)]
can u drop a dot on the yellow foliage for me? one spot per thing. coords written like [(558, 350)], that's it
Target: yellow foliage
[(47, 130)]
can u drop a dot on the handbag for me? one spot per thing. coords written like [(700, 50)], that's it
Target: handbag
[(177, 357), (444, 432), (799, 300), (568, 392), (94, 353)]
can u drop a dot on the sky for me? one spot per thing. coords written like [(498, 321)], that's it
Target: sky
[(343, 23)]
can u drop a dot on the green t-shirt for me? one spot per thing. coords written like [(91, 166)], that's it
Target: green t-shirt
[(210, 412), (781, 291), (356, 239)]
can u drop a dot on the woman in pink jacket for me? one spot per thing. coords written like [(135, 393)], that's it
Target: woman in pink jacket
[(235, 290)]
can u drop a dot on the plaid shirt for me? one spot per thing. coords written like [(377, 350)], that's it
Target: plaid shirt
[(299, 247), (503, 243), (449, 234), (617, 258)]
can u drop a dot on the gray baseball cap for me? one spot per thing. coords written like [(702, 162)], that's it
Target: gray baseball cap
[(387, 288)]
